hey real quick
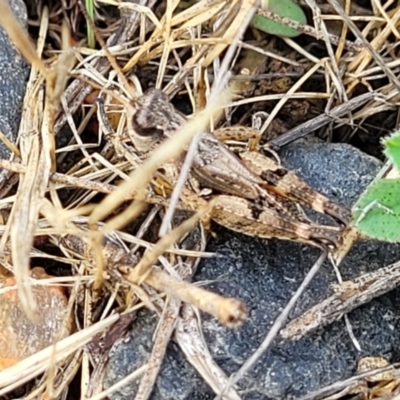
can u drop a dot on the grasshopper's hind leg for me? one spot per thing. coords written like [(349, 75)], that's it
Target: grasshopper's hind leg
[(277, 179), (252, 219), (287, 184)]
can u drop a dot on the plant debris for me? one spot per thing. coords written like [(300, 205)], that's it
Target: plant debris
[(83, 199)]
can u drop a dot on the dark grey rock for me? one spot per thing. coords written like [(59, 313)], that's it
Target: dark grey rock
[(177, 380), (339, 170), (264, 275), (14, 73)]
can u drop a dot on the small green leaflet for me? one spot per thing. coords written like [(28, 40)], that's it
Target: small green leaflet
[(284, 8), (377, 212), (392, 149)]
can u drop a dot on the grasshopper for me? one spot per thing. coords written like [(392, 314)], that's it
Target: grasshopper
[(251, 193)]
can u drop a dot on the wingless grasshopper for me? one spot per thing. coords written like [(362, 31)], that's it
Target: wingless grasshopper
[(251, 193)]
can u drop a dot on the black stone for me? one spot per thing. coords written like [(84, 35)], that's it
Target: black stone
[(14, 72), (264, 275)]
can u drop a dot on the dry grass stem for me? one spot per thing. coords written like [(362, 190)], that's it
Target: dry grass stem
[(139, 273), (77, 193), (20, 38), (230, 312)]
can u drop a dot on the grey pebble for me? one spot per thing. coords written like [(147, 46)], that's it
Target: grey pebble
[(264, 275), (14, 72)]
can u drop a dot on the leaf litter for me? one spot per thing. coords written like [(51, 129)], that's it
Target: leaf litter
[(191, 48)]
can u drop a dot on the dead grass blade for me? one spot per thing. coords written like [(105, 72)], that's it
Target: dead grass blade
[(347, 296), (370, 48), (141, 270), (242, 11), (229, 311), (123, 382), (190, 338), (20, 38), (24, 218), (37, 125)]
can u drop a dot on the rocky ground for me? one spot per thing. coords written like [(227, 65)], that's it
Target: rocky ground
[(13, 77), (265, 274)]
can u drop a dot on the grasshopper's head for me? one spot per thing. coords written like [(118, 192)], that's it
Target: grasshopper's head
[(146, 124), (154, 113), (153, 120)]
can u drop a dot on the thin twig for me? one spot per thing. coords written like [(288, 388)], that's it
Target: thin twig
[(323, 119), (306, 29), (278, 324)]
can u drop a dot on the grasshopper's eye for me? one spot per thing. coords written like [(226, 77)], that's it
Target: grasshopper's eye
[(146, 124), (149, 132)]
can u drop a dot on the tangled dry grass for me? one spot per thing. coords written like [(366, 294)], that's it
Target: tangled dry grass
[(86, 190)]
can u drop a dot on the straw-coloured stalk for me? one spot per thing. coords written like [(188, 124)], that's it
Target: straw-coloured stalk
[(229, 311), (115, 256), (37, 152)]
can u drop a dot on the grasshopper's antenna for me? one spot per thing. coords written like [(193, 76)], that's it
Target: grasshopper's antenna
[(104, 47)]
